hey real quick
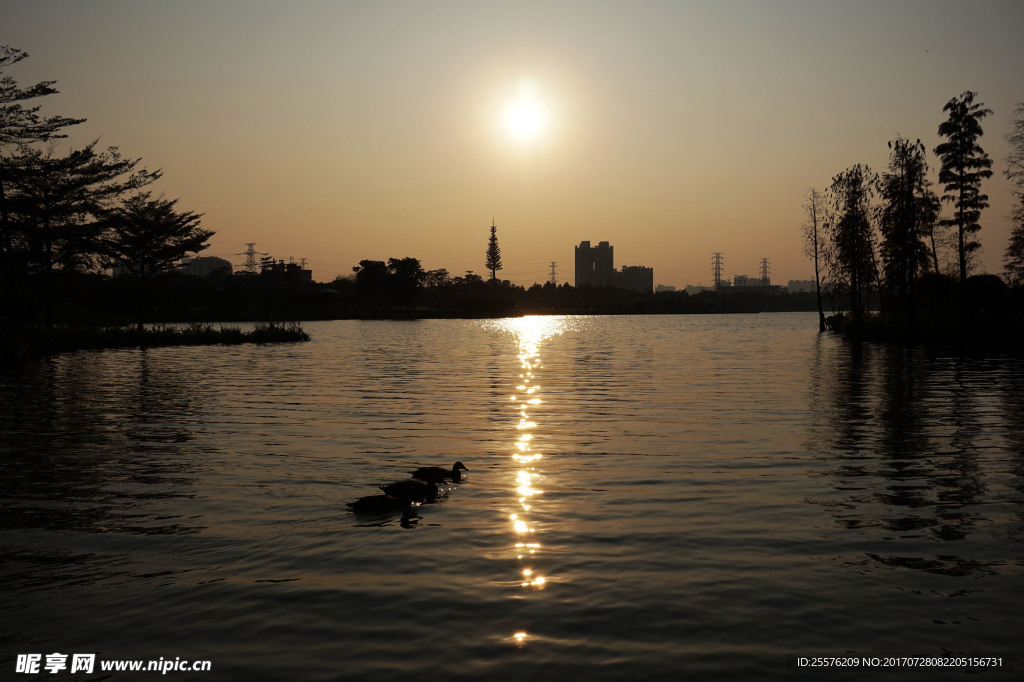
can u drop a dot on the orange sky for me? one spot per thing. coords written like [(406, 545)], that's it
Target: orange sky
[(338, 131)]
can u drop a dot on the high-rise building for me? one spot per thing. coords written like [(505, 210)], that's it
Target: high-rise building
[(595, 265)]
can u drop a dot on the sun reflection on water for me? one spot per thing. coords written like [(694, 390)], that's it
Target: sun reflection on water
[(530, 333)]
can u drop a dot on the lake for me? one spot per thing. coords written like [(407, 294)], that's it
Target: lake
[(648, 498)]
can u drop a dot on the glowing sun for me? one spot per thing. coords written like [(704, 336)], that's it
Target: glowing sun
[(526, 118)]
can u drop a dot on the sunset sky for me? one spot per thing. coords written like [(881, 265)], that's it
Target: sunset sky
[(338, 131)]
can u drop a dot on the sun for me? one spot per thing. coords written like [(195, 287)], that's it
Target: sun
[(524, 121), (526, 117)]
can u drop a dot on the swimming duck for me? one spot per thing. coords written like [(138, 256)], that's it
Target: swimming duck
[(415, 491), (440, 474), (379, 503)]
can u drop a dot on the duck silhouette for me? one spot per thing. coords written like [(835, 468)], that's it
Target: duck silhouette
[(412, 490), (380, 503), (440, 474)]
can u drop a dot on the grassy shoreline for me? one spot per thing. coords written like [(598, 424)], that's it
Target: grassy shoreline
[(30, 342)]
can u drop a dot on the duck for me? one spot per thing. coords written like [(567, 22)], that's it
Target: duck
[(380, 503), (412, 490), (440, 474)]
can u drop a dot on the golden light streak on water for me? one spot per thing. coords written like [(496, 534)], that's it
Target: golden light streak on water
[(530, 332)]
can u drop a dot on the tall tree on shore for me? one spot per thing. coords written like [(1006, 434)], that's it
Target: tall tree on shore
[(1013, 259), (964, 165), (851, 247), (907, 214), (814, 209), (148, 237), (493, 262), (59, 202), (20, 125)]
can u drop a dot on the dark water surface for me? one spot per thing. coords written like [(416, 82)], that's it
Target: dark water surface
[(649, 498)]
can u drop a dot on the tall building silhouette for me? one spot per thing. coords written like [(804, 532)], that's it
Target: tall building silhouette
[(595, 265)]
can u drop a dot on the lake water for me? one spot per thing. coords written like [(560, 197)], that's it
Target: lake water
[(648, 498)]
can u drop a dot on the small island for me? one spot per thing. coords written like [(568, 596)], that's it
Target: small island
[(881, 260)]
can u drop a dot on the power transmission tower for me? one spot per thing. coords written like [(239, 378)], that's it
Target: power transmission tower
[(716, 269), (554, 273), (250, 258), (766, 280)]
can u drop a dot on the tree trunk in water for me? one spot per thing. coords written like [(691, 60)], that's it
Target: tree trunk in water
[(963, 257), (817, 283), (142, 306), (963, 252)]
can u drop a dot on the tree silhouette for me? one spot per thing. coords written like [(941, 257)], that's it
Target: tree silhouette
[(812, 231), (851, 248), (1013, 259), (20, 125), (148, 236), (371, 282), (964, 165), (907, 214), (435, 279), (493, 262), (58, 204), (405, 279)]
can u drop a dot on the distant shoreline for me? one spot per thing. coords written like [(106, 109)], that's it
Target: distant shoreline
[(36, 341)]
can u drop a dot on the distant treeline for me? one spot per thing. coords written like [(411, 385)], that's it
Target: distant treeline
[(400, 288), (402, 292)]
